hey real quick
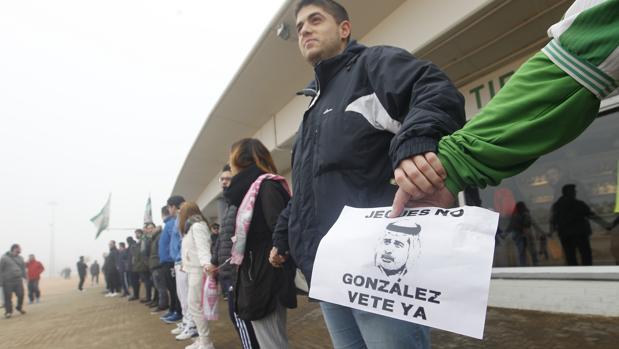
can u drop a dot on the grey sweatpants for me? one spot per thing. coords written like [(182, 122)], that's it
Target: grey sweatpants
[(271, 329)]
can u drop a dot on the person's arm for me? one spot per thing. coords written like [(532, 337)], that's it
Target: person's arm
[(215, 254), (547, 103), (595, 217), (274, 201), (422, 105), (280, 233), (202, 240)]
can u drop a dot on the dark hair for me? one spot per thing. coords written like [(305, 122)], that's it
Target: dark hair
[(250, 151), (14, 246), (176, 201), (122, 244), (568, 189), (139, 231), (165, 211), (226, 168), (333, 8), (149, 223), (215, 226)]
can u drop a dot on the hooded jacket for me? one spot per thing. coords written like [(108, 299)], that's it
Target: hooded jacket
[(373, 108), (223, 245), (196, 244), (12, 268)]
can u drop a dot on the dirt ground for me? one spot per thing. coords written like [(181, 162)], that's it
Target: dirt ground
[(68, 319)]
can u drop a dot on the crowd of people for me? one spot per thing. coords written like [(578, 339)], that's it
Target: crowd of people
[(13, 272), (376, 115)]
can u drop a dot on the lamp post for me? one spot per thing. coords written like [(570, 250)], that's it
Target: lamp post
[(52, 228)]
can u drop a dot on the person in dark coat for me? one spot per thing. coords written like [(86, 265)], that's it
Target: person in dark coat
[(262, 292), (570, 218), (122, 264), (82, 269), (134, 274), (95, 269), (226, 274), (112, 270)]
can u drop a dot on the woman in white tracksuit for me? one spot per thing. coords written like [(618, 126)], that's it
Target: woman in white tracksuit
[(196, 257)]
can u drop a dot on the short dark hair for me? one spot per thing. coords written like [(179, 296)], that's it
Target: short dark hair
[(226, 168), (14, 246), (568, 189), (176, 201), (138, 231), (333, 8), (149, 223), (165, 211), (122, 244), (214, 226)]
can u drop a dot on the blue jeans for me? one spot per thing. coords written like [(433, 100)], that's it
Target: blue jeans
[(356, 329)]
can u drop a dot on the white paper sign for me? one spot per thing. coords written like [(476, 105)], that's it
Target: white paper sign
[(429, 266)]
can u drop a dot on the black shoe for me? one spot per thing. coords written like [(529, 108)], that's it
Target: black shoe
[(144, 300), (132, 298)]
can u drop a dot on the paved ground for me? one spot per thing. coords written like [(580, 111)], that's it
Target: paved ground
[(69, 319)]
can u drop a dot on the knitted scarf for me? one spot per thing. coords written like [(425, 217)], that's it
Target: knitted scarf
[(245, 214)]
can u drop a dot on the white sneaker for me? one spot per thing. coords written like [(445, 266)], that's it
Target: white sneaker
[(188, 333), (114, 294), (194, 345), (207, 346), (178, 330)]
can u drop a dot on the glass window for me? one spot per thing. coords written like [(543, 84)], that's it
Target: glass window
[(577, 235)]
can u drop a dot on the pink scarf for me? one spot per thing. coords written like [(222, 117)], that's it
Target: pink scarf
[(245, 214)]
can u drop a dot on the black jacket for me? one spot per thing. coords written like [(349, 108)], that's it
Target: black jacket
[(153, 256), (570, 217), (259, 286), (223, 246), (375, 106)]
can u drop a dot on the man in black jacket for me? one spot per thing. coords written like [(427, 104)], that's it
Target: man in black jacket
[(376, 113), (82, 268), (112, 270)]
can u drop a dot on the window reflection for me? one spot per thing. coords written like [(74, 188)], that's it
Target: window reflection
[(526, 236)]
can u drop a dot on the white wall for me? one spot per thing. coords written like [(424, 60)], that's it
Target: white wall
[(560, 296)]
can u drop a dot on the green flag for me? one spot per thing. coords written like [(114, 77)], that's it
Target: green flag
[(148, 212), (102, 219)]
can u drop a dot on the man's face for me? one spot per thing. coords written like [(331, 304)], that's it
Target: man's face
[(320, 37), (224, 179), (112, 244), (149, 229), (173, 210), (215, 230), (16, 251), (392, 253)]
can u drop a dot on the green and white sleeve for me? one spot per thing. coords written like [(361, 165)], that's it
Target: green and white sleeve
[(547, 103)]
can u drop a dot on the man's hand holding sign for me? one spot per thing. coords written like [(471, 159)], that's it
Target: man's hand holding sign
[(421, 183)]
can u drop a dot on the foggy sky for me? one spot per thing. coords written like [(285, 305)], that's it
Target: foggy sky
[(106, 96)]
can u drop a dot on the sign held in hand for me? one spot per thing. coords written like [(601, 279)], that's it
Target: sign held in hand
[(429, 266)]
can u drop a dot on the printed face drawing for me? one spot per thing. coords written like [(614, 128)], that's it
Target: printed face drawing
[(394, 248), (392, 254)]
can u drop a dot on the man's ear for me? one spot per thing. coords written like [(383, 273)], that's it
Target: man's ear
[(345, 30)]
